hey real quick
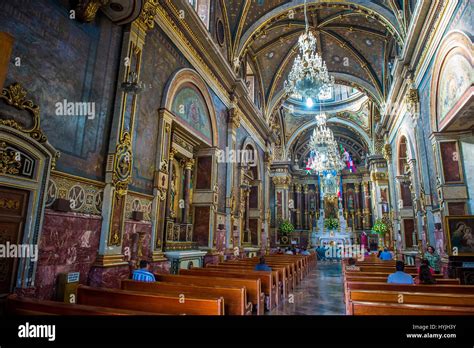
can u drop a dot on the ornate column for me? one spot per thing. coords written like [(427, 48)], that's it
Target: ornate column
[(366, 220), (170, 214), (357, 205), (161, 184), (231, 193), (188, 167), (118, 173), (282, 184), (299, 208), (306, 207)]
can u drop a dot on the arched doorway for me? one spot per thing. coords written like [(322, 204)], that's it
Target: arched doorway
[(26, 160)]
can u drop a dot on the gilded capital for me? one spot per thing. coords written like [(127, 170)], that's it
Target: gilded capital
[(189, 164), (86, 10), (146, 20), (281, 180), (173, 153), (387, 152)]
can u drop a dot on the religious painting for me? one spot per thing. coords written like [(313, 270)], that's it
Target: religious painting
[(450, 157), (456, 78), (191, 108), (460, 233)]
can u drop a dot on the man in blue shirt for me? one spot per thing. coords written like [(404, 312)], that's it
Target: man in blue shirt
[(385, 255), (400, 277), (143, 274), (262, 266)]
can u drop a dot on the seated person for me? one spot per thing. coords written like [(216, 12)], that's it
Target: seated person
[(288, 251), (279, 251), (385, 255), (400, 277), (262, 266), (425, 275), (143, 274), (352, 265), (304, 252), (426, 263)]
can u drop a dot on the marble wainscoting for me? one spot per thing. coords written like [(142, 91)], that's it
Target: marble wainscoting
[(136, 241), (109, 277), (320, 293), (68, 243)]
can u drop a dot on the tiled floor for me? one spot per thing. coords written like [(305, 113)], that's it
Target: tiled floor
[(320, 293)]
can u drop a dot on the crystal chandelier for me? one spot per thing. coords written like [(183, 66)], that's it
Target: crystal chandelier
[(309, 75), (324, 154)]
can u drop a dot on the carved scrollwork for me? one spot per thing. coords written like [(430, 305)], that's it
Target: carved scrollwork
[(123, 164), (9, 163), (87, 9), (148, 14), (15, 95)]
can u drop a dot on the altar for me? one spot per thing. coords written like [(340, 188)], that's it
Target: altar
[(331, 209)]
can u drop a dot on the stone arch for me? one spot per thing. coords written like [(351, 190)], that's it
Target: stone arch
[(188, 77)]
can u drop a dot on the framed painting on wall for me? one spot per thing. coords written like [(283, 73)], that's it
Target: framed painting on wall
[(460, 233)]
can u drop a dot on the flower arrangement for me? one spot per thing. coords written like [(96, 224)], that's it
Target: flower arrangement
[(286, 227), (379, 227), (331, 223)]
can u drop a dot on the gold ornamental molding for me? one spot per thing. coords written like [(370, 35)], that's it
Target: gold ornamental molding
[(9, 164), (122, 174), (87, 9), (387, 152), (15, 95), (146, 20)]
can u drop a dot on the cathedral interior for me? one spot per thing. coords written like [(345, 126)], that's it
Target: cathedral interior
[(186, 133)]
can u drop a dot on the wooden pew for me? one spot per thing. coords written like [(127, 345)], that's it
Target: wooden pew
[(432, 289), (299, 261), (285, 275), (389, 269), (269, 280), (383, 274), (370, 279), (253, 286), (419, 298), (235, 299), (376, 308), (16, 305), (283, 280), (132, 300)]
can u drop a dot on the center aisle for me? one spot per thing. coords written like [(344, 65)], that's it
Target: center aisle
[(320, 293)]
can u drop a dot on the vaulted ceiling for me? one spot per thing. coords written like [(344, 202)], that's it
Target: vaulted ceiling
[(356, 38)]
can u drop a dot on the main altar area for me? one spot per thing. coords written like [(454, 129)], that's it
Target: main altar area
[(331, 228)]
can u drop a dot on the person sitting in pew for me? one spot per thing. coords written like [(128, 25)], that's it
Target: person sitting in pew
[(425, 262), (288, 251), (400, 277), (143, 274), (305, 252), (425, 275), (262, 266), (351, 265), (385, 255)]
